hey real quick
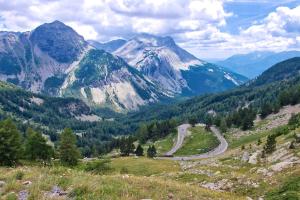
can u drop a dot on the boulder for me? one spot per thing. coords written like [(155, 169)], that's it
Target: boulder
[(23, 195), (27, 183), (2, 183), (56, 192), (245, 156), (253, 158)]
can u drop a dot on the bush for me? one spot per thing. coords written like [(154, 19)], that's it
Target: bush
[(19, 175), (270, 146), (11, 196), (98, 166), (282, 130)]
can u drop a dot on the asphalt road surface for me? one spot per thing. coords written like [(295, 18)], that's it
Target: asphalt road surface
[(182, 133)]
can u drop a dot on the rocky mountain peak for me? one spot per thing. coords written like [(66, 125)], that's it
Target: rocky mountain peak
[(60, 41), (154, 41)]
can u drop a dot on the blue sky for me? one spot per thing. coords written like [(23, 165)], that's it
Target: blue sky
[(207, 28), (247, 11)]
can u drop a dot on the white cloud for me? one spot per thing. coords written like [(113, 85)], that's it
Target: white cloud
[(278, 31), (112, 17), (197, 25)]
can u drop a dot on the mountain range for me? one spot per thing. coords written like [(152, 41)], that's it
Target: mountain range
[(253, 64), (177, 71), (55, 60)]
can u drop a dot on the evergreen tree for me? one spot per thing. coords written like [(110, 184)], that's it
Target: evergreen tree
[(247, 122), (126, 146), (192, 121), (10, 143), (139, 150), (143, 133), (68, 151), (284, 98), (270, 146), (266, 110), (36, 147), (223, 125), (151, 152)]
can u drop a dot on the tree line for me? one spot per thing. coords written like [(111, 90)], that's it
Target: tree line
[(33, 146), (127, 147)]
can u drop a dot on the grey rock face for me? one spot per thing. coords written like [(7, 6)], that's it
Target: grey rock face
[(59, 41), (175, 69)]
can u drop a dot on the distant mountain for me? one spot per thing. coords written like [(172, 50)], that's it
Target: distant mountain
[(173, 68), (110, 46), (53, 59), (281, 71), (35, 60), (101, 78), (281, 78), (253, 64)]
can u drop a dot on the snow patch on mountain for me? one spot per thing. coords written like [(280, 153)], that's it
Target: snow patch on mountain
[(228, 77)]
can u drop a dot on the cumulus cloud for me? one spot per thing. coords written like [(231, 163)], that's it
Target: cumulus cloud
[(197, 25), (279, 30)]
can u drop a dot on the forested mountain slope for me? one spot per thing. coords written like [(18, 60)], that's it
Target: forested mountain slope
[(266, 89)]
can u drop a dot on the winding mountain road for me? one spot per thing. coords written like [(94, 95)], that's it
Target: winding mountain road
[(182, 133)]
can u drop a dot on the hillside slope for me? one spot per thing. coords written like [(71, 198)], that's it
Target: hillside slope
[(103, 79), (265, 89), (42, 110), (53, 56), (173, 68), (281, 71)]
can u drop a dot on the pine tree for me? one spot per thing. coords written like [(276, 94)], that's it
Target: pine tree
[(270, 146), (143, 133), (10, 143), (139, 150), (192, 121), (266, 110), (247, 122), (36, 147), (126, 146), (223, 125), (68, 151), (151, 152)]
